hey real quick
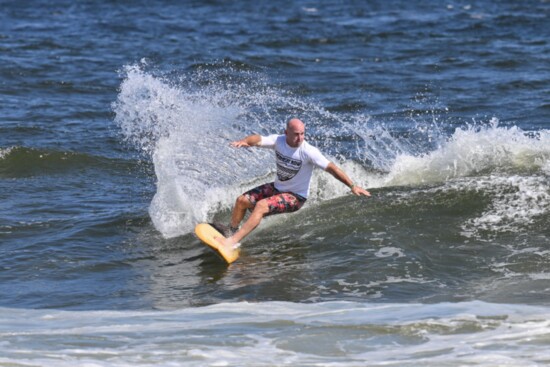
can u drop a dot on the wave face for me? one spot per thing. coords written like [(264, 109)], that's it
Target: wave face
[(458, 213), (185, 124), (22, 162)]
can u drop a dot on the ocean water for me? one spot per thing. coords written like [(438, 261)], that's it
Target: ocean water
[(115, 123)]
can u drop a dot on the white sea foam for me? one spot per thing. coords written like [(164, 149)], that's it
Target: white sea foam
[(473, 151), (259, 334), (5, 152), (389, 252), (513, 202), (516, 202), (506, 164)]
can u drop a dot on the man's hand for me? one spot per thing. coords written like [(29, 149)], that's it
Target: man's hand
[(249, 141), (240, 144), (343, 177), (358, 190)]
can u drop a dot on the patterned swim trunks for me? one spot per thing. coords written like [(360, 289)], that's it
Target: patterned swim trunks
[(278, 202)]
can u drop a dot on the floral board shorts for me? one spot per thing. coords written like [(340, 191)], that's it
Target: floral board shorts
[(278, 202)]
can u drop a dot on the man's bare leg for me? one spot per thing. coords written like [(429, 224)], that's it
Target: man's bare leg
[(241, 205), (251, 223)]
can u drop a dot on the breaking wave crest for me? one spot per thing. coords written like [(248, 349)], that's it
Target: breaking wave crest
[(184, 121)]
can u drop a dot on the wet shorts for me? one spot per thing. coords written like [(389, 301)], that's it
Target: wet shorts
[(278, 202)]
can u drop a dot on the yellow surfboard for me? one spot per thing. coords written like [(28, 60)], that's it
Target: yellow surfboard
[(206, 233)]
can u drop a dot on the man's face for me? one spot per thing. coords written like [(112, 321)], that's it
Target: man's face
[(295, 134)]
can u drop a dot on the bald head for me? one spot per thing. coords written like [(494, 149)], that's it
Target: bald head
[(294, 123), (295, 132)]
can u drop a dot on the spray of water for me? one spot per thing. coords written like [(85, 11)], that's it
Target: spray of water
[(185, 121), (474, 150)]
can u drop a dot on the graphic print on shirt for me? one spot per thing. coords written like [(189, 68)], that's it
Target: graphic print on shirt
[(287, 167)]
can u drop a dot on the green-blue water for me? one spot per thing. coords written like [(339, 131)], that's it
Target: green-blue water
[(114, 129)]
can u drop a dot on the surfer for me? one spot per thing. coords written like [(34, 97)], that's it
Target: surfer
[(295, 160)]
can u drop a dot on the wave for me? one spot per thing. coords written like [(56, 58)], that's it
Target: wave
[(184, 122), (19, 161), (476, 151), (256, 334)]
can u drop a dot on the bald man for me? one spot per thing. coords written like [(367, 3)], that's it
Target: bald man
[(296, 160)]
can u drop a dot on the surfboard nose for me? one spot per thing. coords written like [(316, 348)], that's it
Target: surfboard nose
[(208, 234)]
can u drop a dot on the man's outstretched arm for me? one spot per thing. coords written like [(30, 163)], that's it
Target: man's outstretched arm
[(343, 177), (249, 141)]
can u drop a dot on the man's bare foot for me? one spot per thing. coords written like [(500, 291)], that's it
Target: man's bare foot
[(227, 243)]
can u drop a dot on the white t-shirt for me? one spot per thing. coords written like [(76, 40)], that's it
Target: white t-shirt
[(294, 165)]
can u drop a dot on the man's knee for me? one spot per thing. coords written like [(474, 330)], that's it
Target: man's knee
[(244, 202), (262, 207)]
